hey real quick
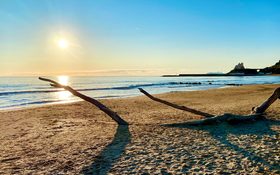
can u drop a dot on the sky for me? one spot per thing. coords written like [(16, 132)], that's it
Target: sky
[(136, 37)]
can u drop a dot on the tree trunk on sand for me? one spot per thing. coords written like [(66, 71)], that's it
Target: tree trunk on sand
[(98, 104), (184, 108), (257, 112), (261, 109)]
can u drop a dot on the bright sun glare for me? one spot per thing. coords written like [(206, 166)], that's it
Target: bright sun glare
[(63, 80), (63, 43), (63, 95)]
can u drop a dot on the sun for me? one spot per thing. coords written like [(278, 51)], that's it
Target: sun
[(63, 43), (63, 80)]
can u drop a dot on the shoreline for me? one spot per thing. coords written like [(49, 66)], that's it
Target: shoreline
[(35, 93), (77, 138), (16, 108), (22, 107)]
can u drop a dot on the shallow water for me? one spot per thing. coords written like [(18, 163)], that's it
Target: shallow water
[(29, 91)]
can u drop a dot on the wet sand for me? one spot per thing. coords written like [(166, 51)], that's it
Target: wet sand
[(77, 138)]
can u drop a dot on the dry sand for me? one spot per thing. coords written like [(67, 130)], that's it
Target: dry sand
[(77, 138)]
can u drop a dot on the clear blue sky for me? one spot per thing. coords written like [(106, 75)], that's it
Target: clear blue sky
[(137, 36)]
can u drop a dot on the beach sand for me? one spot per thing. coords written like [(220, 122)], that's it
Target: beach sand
[(78, 138)]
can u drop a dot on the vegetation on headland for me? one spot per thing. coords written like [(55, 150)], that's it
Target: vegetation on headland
[(275, 69), (240, 70)]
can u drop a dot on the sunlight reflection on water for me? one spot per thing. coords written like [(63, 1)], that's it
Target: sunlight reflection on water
[(63, 95)]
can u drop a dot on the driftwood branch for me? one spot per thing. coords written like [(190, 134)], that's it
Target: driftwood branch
[(261, 109), (229, 118), (184, 108), (101, 106), (257, 112)]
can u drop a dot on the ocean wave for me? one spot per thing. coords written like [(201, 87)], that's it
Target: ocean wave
[(51, 101), (97, 89), (28, 92), (31, 103)]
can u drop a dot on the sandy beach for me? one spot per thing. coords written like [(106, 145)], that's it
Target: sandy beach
[(78, 138)]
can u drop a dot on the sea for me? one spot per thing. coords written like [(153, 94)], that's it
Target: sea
[(19, 92)]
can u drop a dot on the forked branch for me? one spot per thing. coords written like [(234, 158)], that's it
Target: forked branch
[(98, 104), (230, 118)]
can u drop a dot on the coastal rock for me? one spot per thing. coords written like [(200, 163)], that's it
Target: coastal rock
[(239, 66)]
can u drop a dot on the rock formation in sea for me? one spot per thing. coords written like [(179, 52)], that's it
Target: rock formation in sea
[(240, 69)]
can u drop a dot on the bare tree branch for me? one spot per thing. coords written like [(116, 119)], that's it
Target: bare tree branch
[(184, 108), (261, 109), (211, 119), (101, 106), (229, 118)]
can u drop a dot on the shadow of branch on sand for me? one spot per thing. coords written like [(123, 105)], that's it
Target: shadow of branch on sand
[(110, 154), (229, 136)]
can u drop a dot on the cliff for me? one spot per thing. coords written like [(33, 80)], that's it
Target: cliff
[(240, 69), (275, 69)]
